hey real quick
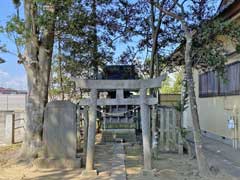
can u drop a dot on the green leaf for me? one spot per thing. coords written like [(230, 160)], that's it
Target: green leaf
[(238, 48)]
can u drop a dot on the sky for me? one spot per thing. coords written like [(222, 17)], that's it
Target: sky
[(12, 74)]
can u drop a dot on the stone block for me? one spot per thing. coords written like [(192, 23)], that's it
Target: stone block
[(8, 128), (89, 173), (147, 172), (59, 131)]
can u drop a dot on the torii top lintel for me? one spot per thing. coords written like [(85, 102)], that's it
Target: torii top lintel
[(119, 84)]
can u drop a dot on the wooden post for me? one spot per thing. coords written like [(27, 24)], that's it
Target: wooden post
[(174, 119), (9, 127), (167, 129), (235, 118), (154, 131), (154, 119), (126, 115), (13, 127), (110, 117), (91, 134), (145, 130), (162, 118), (78, 123), (104, 117)]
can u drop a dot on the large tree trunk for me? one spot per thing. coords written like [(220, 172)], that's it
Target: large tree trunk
[(156, 30), (36, 101), (183, 99), (155, 34), (37, 62), (181, 113), (60, 70), (202, 162), (153, 55), (95, 40)]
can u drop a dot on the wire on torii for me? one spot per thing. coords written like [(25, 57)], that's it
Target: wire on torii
[(117, 113)]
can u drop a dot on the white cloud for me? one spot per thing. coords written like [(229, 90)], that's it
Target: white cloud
[(14, 82), (3, 74)]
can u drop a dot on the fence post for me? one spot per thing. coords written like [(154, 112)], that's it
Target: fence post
[(167, 129), (154, 131), (78, 123), (162, 118), (9, 128), (13, 127), (174, 119)]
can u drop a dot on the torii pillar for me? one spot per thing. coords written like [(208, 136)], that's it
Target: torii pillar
[(89, 171), (118, 85), (145, 130)]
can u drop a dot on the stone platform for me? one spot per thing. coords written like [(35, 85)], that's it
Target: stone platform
[(127, 135)]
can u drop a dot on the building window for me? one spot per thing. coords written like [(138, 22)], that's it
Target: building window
[(210, 84)]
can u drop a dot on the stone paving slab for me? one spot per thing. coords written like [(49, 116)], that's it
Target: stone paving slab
[(118, 163)]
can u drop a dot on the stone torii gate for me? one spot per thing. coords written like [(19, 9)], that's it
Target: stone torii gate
[(119, 86)]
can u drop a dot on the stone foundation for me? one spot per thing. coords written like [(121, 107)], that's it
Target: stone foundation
[(46, 163)]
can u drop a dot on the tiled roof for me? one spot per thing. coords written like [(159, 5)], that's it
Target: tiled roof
[(11, 91)]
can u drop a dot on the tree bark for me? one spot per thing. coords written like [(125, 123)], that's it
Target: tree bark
[(183, 99), (60, 70), (202, 162), (201, 159), (155, 34), (37, 63), (181, 113), (95, 40)]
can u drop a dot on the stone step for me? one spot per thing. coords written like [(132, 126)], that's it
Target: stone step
[(118, 163)]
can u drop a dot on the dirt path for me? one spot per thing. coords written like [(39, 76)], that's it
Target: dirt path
[(11, 170), (167, 167)]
